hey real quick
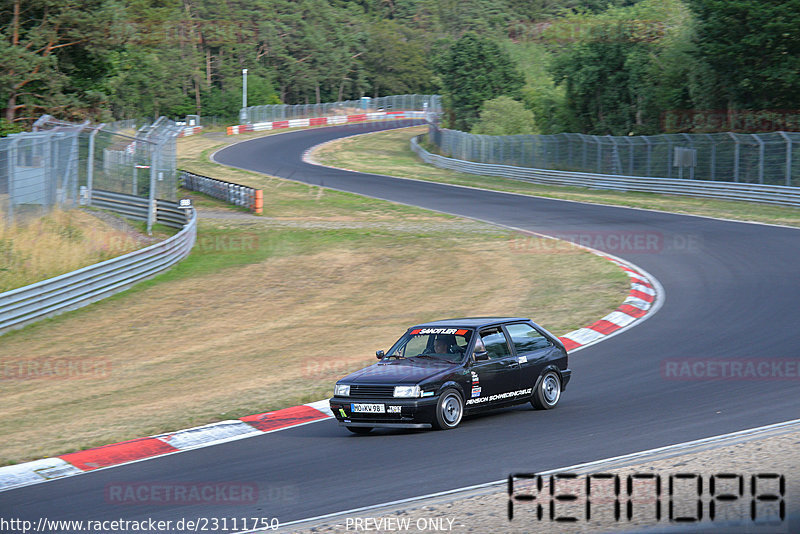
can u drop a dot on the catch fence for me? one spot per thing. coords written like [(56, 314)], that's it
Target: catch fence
[(281, 112), (764, 158), (60, 164)]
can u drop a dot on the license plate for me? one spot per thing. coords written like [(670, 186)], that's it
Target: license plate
[(367, 408)]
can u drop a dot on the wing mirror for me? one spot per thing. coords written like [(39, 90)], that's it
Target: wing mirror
[(379, 354), (481, 355)]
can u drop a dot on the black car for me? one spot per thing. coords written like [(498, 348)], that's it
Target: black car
[(440, 371)]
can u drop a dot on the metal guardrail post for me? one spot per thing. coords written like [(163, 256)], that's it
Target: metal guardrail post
[(735, 157), (12, 158), (649, 154), (788, 157), (599, 153), (151, 206), (90, 165), (616, 161), (691, 145), (669, 156), (630, 154), (713, 163), (760, 158)]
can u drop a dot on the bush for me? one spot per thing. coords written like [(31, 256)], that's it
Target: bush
[(504, 116)]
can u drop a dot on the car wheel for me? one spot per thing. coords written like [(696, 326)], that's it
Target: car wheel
[(360, 429), (449, 410), (548, 392)]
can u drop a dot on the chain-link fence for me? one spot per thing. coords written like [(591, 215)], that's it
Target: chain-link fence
[(38, 171), (60, 164), (765, 158), (279, 112)]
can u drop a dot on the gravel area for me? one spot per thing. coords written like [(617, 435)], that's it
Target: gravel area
[(485, 510)]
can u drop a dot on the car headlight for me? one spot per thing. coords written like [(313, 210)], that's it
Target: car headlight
[(341, 390), (406, 391)]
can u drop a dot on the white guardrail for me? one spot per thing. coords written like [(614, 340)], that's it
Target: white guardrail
[(770, 194), (79, 288)]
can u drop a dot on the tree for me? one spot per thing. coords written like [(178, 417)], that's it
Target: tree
[(620, 77), (395, 60), (504, 116), (35, 34), (752, 48), (473, 70)]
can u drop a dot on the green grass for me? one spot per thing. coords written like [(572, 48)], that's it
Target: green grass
[(380, 151)]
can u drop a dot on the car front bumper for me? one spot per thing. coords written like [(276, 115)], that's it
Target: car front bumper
[(398, 413)]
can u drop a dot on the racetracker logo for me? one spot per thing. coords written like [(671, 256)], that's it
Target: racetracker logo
[(178, 493), (692, 369), (55, 369), (620, 242), (227, 243), (599, 31), (723, 120)]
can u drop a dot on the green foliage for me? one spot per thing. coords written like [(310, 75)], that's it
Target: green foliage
[(504, 116), (593, 66), (540, 94), (7, 128), (475, 69), (750, 50), (395, 59), (632, 66)]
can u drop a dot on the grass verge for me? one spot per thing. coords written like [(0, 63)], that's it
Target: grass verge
[(379, 151), (63, 241), (269, 311)]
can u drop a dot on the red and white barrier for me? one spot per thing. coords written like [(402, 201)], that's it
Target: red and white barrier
[(190, 130), (324, 121)]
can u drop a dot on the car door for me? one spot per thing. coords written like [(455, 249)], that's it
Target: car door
[(493, 379), (533, 351)]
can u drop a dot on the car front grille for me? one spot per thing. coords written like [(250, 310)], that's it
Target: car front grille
[(371, 392)]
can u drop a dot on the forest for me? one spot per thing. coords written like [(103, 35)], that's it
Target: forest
[(619, 67)]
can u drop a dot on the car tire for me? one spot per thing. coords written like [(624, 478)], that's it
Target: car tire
[(449, 410), (360, 430), (548, 391)]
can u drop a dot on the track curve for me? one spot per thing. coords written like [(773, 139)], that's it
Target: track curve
[(731, 293)]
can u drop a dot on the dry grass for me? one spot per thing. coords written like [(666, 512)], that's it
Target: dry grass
[(57, 243), (228, 333)]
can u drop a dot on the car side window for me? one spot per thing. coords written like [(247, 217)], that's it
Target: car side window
[(526, 338), (496, 344)]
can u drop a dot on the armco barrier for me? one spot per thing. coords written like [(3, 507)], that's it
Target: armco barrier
[(325, 121), (769, 194), (167, 213), (239, 195), (82, 287)]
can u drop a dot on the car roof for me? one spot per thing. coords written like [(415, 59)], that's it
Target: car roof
[(470, 322)]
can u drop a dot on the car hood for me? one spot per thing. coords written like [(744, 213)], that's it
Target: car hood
[(399, 372)]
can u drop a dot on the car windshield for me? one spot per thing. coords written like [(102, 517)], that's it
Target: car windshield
[(445, 344)]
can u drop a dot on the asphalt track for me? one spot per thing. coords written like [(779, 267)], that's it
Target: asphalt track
[(732, 293)]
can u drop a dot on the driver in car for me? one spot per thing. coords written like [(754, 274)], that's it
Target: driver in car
[(444, 344)]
